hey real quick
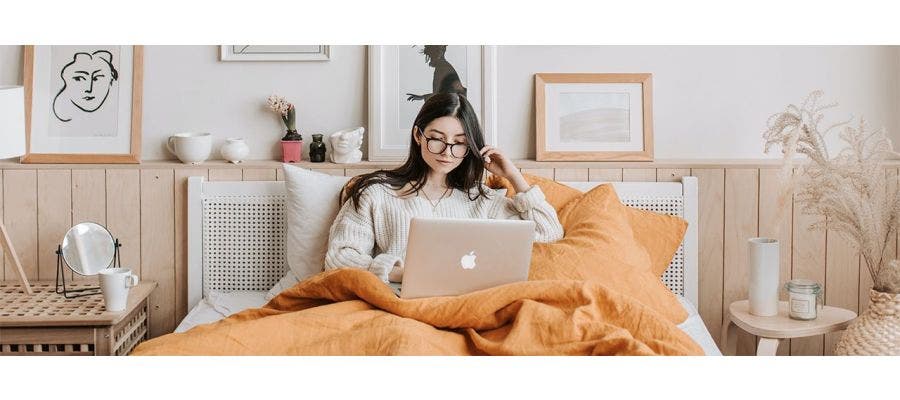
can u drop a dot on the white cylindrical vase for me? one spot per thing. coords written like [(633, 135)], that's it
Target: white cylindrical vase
[(763, 261)]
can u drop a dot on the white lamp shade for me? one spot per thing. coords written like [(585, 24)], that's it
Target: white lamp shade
[(12, 121)]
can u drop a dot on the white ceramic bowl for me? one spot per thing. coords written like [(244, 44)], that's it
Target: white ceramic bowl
[(190, 147)]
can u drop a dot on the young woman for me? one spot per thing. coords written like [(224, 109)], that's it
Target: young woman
[(441, 178)]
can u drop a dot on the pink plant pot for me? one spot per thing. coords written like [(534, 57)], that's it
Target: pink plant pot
[(292, 150)]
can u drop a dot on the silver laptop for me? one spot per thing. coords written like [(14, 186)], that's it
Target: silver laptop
[(449, 256)]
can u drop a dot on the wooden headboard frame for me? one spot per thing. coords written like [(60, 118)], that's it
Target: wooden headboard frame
[(232, 245)]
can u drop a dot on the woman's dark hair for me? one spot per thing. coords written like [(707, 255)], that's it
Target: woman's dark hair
[(465, 176)]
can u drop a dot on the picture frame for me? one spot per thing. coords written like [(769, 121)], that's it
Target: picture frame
[(594, 117), (83, 104), (396, 71), (247, 52)]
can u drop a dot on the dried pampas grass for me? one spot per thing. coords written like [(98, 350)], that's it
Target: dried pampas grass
[(848, 189)]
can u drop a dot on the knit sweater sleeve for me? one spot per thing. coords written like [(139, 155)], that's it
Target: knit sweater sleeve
[(531, 205), (351, 240)]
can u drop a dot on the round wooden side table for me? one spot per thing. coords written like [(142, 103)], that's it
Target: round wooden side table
[(772, 329)]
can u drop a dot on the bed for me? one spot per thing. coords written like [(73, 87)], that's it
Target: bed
[(236, 236)]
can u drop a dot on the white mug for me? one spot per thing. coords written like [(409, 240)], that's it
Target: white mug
[(115, 283), (190, 147)]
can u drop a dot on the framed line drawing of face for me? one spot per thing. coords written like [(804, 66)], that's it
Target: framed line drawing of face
[(83, 104), (401, 78), (594, 117)]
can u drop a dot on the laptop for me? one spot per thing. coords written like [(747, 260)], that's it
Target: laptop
[(452, 256)]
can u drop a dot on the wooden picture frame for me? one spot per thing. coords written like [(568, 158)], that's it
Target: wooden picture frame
[(130, 152), (599, 110)]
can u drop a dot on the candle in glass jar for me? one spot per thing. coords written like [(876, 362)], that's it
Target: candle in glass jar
[(803, 296), (803, 306)]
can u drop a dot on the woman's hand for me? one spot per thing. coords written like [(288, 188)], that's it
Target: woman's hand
[(498, 164)]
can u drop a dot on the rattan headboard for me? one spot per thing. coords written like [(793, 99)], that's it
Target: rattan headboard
[(236, 232)]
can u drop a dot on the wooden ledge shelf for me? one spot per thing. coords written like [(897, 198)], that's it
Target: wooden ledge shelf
[(12, 164)]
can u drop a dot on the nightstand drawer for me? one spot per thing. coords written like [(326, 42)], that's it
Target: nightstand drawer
[(47, 341)]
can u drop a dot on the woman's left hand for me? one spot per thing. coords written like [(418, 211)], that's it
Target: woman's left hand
[(498, 164)]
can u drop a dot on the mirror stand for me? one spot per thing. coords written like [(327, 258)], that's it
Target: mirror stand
[(61, 276)]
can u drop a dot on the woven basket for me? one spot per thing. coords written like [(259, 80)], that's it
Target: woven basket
[(876, 332)]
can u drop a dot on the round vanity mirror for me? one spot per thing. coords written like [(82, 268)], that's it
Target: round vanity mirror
[(88, 248)]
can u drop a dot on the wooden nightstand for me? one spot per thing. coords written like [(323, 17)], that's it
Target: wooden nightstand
[(772, 329), (49, 324)]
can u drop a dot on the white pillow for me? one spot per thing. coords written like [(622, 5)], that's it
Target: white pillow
[(310, 208)]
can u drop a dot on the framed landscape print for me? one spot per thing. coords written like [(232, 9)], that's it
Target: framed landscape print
[(594, 117), (252, 52), (401, 78), (83, 104)]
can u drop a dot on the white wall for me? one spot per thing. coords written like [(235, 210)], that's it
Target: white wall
[(709, 101), (10, 65), (186, 88)]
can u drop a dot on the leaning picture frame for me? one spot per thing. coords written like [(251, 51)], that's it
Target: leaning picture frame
[(402, 77), (593, 117), (83, 104)]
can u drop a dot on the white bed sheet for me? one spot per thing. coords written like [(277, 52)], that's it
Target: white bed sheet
[(696, 329), (218, 305)]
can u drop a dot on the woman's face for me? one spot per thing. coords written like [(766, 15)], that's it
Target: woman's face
[(447, 130), (88, 80)]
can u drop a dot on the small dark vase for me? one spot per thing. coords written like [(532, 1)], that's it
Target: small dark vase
[(317, 149)]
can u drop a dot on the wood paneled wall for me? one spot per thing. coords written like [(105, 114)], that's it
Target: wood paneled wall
[(145, 207)]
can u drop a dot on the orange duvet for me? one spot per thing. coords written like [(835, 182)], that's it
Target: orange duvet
[(351, 312)]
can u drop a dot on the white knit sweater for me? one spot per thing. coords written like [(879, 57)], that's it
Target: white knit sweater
[(374, 237)]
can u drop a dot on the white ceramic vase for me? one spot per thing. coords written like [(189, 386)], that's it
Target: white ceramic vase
[(763, 261), (235, 150)]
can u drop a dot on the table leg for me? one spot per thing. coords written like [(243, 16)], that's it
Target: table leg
[(767, 347), (729, 338)]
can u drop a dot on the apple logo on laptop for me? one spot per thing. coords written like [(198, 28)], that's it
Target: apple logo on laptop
[(468, 261)]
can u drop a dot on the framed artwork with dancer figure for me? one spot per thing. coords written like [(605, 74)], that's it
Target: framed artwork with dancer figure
[(401, 78), (83, 104)]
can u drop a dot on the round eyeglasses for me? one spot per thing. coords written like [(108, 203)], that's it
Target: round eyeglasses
[(438, 146)]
